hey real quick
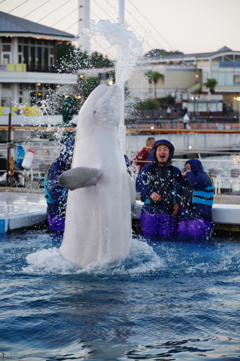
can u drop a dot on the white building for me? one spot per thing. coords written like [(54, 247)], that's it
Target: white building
[(28, 54), (185, 75), (188, 73)]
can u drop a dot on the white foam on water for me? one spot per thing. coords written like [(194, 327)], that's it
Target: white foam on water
[(47, 261), (141, 260), (199, 258), (223, 261)]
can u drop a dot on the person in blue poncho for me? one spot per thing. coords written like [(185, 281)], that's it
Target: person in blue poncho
[(195, 218), (55, 194), (159, 185)]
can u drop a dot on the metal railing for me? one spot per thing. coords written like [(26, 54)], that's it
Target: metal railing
[(225, 173), (47, 151), (42, 68), (13, 175)]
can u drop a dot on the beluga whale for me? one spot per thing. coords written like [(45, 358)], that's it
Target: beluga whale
[(98, 217)]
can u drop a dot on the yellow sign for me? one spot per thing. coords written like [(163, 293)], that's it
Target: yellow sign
[(20, 111), (13, 67)]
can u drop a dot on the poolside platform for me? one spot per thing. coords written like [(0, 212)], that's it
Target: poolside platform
[(21, 208)]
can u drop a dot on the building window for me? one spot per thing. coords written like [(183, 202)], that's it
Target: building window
[(45, 56), (228, 58), (20, 99), (20, 58), (34, 94), (25, 54), (6, 40), (6, 58), (6, 50), (32, 56), (6, 47), (38, 57), (6, 86), (219, 58), (236, 79)]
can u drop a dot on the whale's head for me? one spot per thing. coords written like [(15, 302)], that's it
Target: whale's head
[(102, 105)]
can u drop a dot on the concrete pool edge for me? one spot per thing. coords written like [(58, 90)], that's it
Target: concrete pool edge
[(226, 210)]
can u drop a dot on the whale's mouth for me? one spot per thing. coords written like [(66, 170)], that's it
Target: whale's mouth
[(107, 108)]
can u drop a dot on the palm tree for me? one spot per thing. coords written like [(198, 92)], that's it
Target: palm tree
[(153, 77), (211, 83), (148, 75)]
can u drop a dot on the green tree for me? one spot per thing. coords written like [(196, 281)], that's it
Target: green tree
[(97, 60), (67, 113), (153, 77), (69, 58), (68, 109), (210, 84), (148, 75), (147, 104), (165, 101), (87, 85)]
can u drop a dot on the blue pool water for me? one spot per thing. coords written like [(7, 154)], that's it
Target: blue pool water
[(166, 301)]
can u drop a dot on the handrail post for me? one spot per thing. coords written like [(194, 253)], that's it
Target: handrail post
[(9, 146)]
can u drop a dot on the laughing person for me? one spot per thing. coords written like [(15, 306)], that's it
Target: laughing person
[(195, 218), (159, 185)]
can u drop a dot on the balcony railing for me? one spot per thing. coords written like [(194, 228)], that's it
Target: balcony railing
[(28, 67), (42, 68)]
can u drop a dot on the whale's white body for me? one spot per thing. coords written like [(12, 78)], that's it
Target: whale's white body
[(98, 217)]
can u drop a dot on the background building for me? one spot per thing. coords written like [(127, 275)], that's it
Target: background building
[(184, 77), (188, 73), (29, 79)]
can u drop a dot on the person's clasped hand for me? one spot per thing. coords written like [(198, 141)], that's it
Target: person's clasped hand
[(175, 209), (184, 174), (156, 197)]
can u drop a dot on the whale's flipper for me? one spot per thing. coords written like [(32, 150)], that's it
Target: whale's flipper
[(79, 177)]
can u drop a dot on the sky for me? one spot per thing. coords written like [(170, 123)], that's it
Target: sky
[(189, 26)]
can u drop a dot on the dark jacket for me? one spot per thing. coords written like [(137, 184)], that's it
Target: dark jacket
[(165, 180), (57, 193), (187, 194), (198, 195)]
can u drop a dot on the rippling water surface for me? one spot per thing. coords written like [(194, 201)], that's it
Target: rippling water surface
[(165, 301)]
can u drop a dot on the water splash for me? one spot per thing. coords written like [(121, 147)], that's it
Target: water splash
[(120, 42), (141, 260), (155, 259)]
